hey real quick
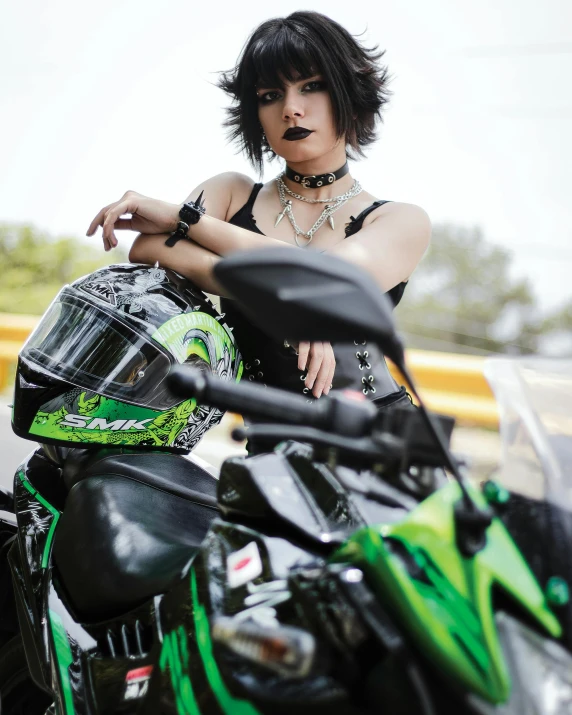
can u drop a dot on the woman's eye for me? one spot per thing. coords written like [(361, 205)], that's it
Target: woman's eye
[(268, 97), (315, 86)]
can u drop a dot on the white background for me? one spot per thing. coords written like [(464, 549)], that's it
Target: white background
[(103, 97)]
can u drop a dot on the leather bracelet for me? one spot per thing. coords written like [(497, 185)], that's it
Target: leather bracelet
[(190, 214)]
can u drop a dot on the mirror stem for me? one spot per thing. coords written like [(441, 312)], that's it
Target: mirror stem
[(435, 429)]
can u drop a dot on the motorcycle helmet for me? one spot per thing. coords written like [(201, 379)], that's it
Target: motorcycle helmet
[(93, 371)]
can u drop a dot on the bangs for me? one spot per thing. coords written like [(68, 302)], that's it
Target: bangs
[(286, 56), (294, 48)]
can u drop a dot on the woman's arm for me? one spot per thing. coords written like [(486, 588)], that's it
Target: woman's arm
[(391, 246), (196, 263), (152, 216), (185, 257)]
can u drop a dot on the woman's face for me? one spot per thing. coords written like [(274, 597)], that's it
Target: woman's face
[(303, 103)]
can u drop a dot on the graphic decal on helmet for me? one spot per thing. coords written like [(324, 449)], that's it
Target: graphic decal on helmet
[(200, 335), (101, 420), (133, 292), (197, 334)]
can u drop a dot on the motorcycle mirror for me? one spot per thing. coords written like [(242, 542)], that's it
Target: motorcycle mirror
[(303, 295)]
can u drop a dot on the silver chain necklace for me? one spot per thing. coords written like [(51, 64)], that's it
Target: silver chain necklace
[(332, 205), (313, 201)]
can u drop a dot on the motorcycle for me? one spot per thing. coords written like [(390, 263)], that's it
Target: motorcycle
[(336, 569)]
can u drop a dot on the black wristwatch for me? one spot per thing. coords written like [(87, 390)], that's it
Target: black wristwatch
[(190, 214)]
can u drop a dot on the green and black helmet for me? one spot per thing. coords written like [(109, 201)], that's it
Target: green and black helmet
[(93, 371)]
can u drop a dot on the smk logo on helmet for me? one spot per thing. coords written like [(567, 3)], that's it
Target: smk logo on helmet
[(94, 369)]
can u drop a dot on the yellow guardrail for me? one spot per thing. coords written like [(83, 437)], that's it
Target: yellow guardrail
[(450, 383), (453, 384), (14, 329)]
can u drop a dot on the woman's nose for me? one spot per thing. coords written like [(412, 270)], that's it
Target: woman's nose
[(293, 105)]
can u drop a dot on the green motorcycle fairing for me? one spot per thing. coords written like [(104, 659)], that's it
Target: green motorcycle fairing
[(444, 600)]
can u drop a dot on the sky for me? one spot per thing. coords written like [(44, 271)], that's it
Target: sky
[(98, 99)]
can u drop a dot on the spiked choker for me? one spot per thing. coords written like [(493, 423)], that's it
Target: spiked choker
[(315, 181)]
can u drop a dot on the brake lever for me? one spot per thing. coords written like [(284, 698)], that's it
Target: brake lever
[(382, 447)]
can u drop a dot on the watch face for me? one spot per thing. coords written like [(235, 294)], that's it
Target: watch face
[(191, 212), (186, 213)]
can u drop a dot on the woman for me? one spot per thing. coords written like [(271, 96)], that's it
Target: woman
[(306, 91)]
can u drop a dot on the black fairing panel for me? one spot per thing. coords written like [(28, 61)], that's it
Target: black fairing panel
[(35, 524), (8, 617), (540, 531), (267, 487), (290, 489), (99, 656), (120, 542), (206, 589), (168, 472)]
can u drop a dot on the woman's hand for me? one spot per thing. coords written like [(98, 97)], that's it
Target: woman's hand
[(148, 216), (319, 361)]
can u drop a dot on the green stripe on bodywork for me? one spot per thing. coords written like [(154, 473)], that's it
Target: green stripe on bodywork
[(64, 659), (443, 600), (229, 704), (175, 654), (55, 513)]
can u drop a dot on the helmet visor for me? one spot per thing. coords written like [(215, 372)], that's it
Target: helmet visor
[(82, 344)]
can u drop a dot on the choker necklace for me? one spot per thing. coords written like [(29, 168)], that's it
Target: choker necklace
[(332, 205), (315, 181)]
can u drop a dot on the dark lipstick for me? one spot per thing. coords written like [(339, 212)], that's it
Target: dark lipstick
[(295, 133)]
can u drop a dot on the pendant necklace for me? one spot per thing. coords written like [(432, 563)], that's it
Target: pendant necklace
[(332, 205)]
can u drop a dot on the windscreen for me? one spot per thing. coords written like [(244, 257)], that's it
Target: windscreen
[(535, 403), (81, 344)]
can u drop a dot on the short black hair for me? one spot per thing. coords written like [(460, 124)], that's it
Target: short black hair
[(298, 46)]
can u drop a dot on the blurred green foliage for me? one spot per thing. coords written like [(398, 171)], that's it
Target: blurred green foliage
[(35, 266), (464, 297)]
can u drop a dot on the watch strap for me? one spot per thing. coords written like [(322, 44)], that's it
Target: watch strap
[(190, 213)]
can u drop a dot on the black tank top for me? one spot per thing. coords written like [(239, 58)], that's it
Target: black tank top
[(358, 366)]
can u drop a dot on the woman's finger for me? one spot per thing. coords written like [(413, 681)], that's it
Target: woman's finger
[(98, 220), (315, 362), (330, 379), (303, 351), (124, 224), (322, 380), (112, 216)]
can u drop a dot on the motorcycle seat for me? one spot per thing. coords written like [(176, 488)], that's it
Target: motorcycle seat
[(173, 473), (120, 542)]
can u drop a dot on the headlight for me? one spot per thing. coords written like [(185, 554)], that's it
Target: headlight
[(540, 669)]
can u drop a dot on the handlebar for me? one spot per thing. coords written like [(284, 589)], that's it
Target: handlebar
[(335, 413)]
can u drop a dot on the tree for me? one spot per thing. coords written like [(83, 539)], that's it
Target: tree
[(35, 266), (462, 298)]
